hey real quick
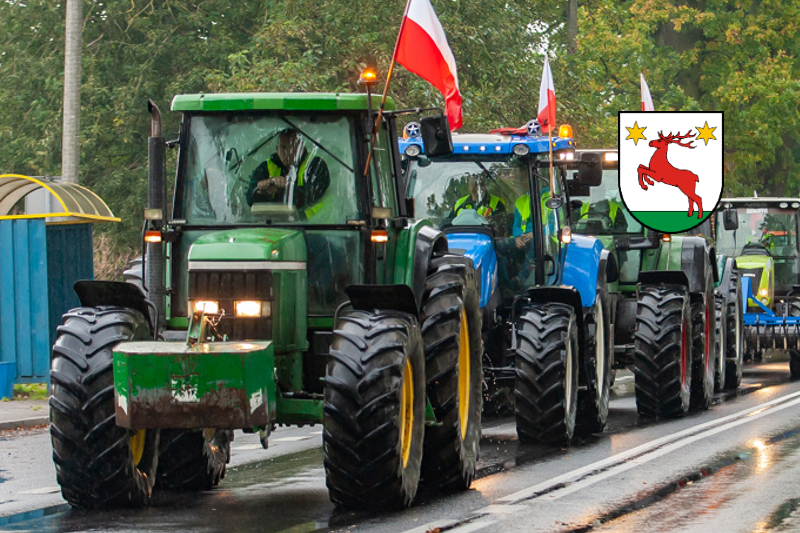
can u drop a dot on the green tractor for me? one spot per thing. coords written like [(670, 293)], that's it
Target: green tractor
[(288, 284), (761, 233), (663, 302)]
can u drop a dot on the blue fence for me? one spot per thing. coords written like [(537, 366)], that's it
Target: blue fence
[(39, 263)]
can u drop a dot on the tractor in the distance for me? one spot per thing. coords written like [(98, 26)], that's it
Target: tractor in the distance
[(761, 233), (287, 283), (501, 202), (662, 306)]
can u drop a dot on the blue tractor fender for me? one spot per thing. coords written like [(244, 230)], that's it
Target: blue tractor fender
[(583, 261), (480, 249)]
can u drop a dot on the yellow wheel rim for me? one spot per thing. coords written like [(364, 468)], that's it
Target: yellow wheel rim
[(463, 376), (137, 445), (407, 412)]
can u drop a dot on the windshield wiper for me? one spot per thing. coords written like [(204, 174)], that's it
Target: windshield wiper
[(486, 170), (304, 134)]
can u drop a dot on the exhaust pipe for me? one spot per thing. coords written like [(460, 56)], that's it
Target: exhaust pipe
[(154, 256)]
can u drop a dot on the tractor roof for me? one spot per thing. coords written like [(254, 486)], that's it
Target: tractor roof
[(487, 143), (767, 201), (227, 102)]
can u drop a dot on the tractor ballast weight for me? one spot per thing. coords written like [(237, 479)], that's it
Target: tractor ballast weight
[(287, 285), (539, 282)]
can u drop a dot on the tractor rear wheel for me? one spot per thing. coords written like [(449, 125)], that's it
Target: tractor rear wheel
[(193, 460), (662, 358), (374, 410), (794, 355), (546, 387), (593, 401), (734, 346), (98, 464), (451, 337), (703, 356)]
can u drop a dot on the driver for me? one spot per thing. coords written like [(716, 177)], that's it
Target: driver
[(290, 164), (609, 207), (479, 199)]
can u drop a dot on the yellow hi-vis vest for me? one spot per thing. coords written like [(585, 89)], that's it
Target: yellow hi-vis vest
[(613, 207), (275, 171), (484, 210)]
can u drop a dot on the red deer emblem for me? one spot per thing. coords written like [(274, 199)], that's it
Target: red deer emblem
[(661, 169)]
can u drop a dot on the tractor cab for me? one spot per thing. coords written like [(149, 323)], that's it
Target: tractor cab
[(761, 233)]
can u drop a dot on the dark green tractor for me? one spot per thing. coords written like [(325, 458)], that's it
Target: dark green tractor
[(663, 302), (285, 285)]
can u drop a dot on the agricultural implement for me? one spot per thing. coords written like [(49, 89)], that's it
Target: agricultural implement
[(501, 202), (275, 291)]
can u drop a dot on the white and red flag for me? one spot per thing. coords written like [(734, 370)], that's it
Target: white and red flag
[(547, 100), (422, 48), (647, 100)]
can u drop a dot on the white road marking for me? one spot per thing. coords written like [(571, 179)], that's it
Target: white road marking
[(247, 447), (43, 490), (290, 439)]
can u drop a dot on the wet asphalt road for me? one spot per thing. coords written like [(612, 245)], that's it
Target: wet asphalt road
[(735, 467)]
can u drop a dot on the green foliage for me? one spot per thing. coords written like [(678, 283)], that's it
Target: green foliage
[(30, 391)]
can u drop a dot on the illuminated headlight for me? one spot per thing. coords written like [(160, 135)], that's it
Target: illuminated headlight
[(521, 149), (612, 156), (566, 156), (763, 293), (252, 308), (413, 150), (207, 307)]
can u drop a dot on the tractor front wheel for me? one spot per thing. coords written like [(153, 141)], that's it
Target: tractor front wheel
[(374, 410), (193, 460), (546, 388), (662, 357), (451, 336), (794, 355), (593, 401), (703, 357), (98, 464), (734, 346)]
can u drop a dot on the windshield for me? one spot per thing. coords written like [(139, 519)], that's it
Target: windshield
[(257, 169), (468, 191), (602, 211), (764, 227)]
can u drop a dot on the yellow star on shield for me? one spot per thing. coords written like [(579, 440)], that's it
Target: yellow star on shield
[(705, 133), (635, 133)]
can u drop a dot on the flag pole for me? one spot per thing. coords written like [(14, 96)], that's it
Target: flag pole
[(550, 146), (386, 88)]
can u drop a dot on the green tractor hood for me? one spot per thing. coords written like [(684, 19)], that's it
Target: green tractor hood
[(250, 244)]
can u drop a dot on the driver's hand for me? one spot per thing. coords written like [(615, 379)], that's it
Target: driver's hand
[(522, 241), (272, 185)]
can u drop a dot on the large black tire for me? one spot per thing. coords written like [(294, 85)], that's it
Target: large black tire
[(703, 345), (794, 355), (721, 339), (593, 400), (134, 274), (98, 464), (546, 388), (451, 337), (374, 410), (662, 358), (734, 345), (193, 460)]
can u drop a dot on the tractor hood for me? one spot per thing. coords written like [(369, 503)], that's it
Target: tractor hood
[(250, 244)]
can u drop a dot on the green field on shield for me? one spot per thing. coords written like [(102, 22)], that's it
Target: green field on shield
[(669, 221)]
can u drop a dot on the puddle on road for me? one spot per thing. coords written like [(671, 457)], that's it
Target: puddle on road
[(680, 503)]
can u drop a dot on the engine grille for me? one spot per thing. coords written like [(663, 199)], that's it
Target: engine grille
[(753, 273), (229, 286)]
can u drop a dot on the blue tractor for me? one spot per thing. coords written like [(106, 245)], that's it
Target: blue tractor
[(501, 201)]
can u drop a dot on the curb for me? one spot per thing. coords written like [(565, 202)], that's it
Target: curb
[(25, 423)]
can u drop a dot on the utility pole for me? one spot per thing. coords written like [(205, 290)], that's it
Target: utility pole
[(71, 132)]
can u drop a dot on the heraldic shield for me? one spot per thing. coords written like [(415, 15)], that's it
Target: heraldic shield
[(670, 167)]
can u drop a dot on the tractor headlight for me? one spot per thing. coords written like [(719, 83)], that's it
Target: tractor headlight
[(252, 308), (413, 150), (763, 293), (206, 306)]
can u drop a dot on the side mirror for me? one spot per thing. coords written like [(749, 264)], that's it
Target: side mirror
[(590, 171), (436, 137), (730, 219)]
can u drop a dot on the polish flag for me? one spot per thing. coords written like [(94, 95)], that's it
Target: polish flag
[(647, 100), (422, 48), (547, 100)]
